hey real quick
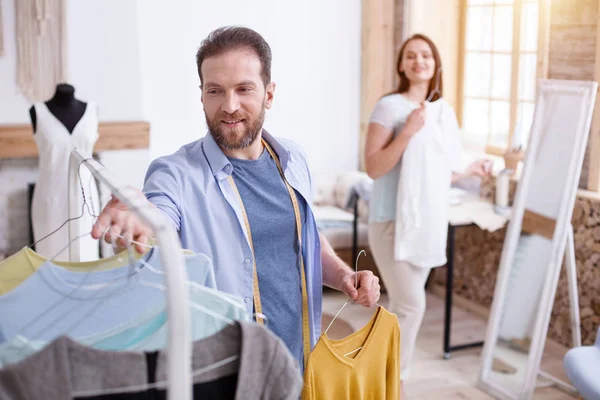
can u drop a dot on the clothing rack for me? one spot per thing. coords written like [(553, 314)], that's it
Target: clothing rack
[(179, 360)]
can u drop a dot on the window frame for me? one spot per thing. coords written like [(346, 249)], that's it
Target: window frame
[(516, 52)]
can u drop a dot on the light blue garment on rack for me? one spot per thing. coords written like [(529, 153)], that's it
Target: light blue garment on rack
[(146, 333), (55, 301)]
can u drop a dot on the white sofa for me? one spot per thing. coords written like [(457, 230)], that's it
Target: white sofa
[(335, 218)]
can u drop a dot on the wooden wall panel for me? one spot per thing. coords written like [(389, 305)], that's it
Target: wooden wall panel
[(377, 59), (572, 55), (593, 156)]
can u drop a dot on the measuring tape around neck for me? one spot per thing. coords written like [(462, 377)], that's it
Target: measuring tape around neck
[(256, 291)]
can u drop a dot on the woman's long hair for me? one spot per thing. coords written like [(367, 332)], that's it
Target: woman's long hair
[(436, 81)]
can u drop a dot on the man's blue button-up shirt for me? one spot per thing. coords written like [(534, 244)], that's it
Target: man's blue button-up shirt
[(192, 189)]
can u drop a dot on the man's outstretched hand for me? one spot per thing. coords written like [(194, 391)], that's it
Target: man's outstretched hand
[(119, 225)]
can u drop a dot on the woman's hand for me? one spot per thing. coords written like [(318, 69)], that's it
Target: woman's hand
[(415, 121), (383, 150), (481, 168)]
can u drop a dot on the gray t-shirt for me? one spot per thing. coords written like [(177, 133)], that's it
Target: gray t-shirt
[(67, 370), (273, 226)]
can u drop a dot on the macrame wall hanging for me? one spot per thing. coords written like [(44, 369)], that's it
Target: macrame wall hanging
[(41, 47)]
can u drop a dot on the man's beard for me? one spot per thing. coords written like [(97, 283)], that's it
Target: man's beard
[(235, 139)]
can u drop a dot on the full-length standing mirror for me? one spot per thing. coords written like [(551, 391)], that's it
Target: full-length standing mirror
[(536, 239)]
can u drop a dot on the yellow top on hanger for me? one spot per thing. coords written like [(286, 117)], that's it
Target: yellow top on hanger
[(19, 266), (364, 365)]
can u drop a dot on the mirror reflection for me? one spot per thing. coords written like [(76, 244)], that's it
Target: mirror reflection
[(524, 290)]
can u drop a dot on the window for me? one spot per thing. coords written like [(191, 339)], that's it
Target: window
[(500, 72)]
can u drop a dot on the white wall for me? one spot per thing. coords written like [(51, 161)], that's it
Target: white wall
[(104, 61), (102, 58), (316, 65), (136, 59)]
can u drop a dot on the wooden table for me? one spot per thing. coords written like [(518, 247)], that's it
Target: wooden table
[(459, 216)]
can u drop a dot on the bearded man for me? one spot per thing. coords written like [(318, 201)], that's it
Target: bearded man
[(243, 197)]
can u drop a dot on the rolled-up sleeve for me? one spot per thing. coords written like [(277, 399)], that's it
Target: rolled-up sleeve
[(163, 190)]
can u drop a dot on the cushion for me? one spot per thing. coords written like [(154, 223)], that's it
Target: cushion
[(339, 234), (582, 365)]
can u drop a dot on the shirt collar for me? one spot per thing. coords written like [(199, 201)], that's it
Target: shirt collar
[(220, 165)]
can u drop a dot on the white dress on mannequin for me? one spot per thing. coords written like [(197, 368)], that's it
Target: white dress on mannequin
[(50, 198)]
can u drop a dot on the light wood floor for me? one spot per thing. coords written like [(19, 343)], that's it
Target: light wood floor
[(432, 377)]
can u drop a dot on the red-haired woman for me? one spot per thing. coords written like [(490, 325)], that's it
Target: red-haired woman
[(413, 154)]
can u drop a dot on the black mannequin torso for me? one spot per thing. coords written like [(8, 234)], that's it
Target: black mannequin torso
[(64, 106)]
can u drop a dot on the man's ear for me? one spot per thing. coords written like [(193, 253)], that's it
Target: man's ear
[(201, 94), (269, 93)]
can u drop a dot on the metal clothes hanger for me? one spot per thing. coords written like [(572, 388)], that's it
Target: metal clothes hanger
[(349, 300), (99, 290), (436, 89), (192, 304), (81, 286), (353, 351), (193, 285), (157, 385), (134, 270), (198, 287), (85, 206), (163, 384)]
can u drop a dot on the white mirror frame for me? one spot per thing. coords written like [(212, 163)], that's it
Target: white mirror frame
[(546, 89)]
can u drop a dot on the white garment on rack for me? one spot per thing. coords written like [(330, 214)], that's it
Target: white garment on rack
[(50, 197), (423, 188)]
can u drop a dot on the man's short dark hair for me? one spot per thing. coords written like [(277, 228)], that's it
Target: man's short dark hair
[(229, 38)]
